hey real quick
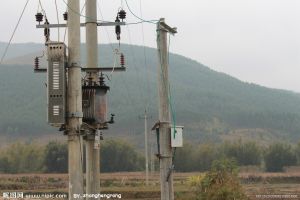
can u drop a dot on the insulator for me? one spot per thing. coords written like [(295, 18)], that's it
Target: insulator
[(65, 16), (118, 29), (47, 31), (122, 14), (36, 63), (102, 83), (39, 17), (122, 60)]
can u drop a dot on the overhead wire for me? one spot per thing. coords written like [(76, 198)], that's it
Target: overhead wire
[(143, 20), (42, 8), (105, 28), (167, 86), (82, 9), (145, 61), (134, 64), (58, 32), (80, 14), (13, 34)]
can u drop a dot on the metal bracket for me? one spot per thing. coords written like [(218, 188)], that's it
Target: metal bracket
[(40, 70), (81, 24), (75, 114), (157, 125), (163, 26), (103, 69), (162, 156), (74, 65), (169, 173)]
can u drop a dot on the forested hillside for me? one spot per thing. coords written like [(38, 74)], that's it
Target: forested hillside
[(207, 103)]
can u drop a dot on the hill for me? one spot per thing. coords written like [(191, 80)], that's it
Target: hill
[(211, 105)]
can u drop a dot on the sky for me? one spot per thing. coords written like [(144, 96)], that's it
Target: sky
[(255, 41)]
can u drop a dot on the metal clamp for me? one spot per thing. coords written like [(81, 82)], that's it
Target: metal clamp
[(75, 114), (74, 65)]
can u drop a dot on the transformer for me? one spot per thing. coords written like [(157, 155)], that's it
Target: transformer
[(94, 104), (56, 83)]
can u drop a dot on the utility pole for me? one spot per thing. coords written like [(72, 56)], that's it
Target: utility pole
[(146, 148), (165, 154), (151, 159), (74, 102), (66, 108), (92, 154)]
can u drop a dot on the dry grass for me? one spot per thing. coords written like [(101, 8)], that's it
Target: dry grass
[(132, 185)]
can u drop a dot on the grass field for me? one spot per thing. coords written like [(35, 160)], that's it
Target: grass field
[(132, 185)]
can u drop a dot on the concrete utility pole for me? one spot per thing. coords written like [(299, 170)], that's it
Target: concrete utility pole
[(146, 148), (166, 177), (145, 117), (92, 154), (74, 102), (151, 159)]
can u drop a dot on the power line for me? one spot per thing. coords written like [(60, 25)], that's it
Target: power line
[(43, 11), (145, 60), (135, 64), (81, 15), (143, 20), (57, 19), (12, 36), (67, 20), (107, 34), (83, 7)]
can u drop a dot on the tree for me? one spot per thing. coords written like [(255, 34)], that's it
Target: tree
[(247, 153), (206, 154), (119, 156), (184, 157), (19, 157), (56, 157), (279, 155), (297, 151), (221, 182)]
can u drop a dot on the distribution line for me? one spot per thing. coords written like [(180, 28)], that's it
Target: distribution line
[(135, 65), (105, 28), (13, 34), (145, 61), (42, 8), (67, 20), (81, 15), (143, 20), (57, 19)]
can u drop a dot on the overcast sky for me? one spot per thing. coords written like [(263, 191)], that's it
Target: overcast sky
[(254, 40)]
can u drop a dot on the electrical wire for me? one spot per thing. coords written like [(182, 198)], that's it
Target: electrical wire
[(67, 20), (143, 20), (145, 61), (58, 32), (105, 28), (83, 7), (170, 93), (81, 15), (134, 64), (134, 23), (43, 11), (13, 34)]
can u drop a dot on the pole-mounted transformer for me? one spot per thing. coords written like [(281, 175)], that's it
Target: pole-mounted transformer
[(94, 93), (94, 103)]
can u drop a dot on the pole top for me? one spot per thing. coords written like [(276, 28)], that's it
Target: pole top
[(162, 25)]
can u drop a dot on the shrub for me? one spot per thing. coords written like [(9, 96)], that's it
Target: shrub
[(279, 155), (221, 182), (56, 157)]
